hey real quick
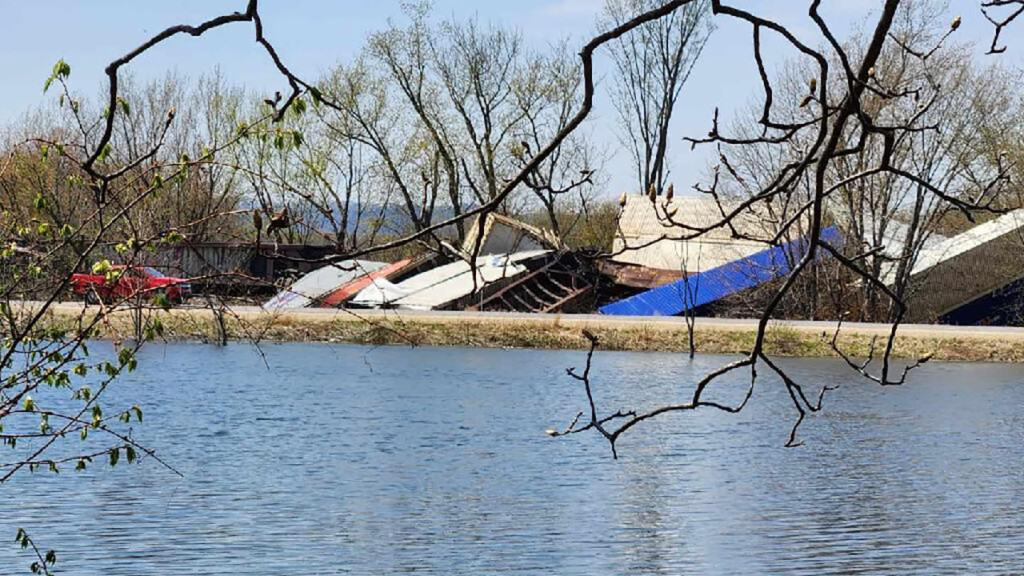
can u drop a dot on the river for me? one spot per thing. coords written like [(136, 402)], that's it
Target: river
[(333, 459)]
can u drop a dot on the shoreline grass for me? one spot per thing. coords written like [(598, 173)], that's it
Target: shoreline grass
[(544, 332)]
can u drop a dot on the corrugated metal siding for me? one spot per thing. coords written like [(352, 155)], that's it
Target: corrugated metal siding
[(436, 288), (457, 279), (965, 267), (1001, 307), (338, 296), (213, 262), (504, 235), (970, 239), (706, 287), (195, 260), (506, 240), (642, 223), (308, 289)]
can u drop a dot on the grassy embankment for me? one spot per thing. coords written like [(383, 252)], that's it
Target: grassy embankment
[(553, 331)]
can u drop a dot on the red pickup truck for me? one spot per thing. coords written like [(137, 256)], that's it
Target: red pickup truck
[(128, 281)]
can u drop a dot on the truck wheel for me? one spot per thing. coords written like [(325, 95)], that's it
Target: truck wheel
[(91, 297)]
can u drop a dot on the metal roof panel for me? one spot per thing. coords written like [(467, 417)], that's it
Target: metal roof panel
[(715, 284)]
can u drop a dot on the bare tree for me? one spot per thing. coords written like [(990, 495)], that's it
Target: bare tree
[(690, 291), (957, 104), (652, 64), (1001, 14), (42, 364), (836, 121), (546, 93), (44, 396), (53, 391), (484, 105), (406, 55), (403, 164)]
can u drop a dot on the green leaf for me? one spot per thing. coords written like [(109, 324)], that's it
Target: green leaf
[(66, 231), (80, 466), (158, 326), (297, 138), (162, 301), (115, 455), (44, 151), (46, 85), (104, 153), (61, 69), (40, 202), (299, 106), (51, 557), (29, 405), (129, 453), (124, 106), (138, 412)]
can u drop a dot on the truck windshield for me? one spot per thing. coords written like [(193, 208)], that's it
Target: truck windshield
[(153, 272)]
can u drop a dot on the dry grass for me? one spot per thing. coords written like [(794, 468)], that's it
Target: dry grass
[(543, 332)]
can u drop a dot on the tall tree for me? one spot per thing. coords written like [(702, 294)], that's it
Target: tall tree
[(958, 102), (652, 63)]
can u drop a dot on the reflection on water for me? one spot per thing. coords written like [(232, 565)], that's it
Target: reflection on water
[(337, 459)]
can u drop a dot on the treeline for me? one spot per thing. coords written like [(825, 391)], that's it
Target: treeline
[(893, 193), (430, 120), (434, 117)]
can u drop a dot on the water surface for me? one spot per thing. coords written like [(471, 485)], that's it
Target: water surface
[(349, 460)]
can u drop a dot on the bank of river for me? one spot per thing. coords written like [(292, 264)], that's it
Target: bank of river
[(345, 459), (713, 336)]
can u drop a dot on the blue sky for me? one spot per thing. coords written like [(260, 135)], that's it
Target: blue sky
[(312, 35)]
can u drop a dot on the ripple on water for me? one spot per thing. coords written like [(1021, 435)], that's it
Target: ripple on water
[(338, 459)]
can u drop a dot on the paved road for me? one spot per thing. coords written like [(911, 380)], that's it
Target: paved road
[(597, 320)]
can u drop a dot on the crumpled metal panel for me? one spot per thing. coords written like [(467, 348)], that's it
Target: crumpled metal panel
[(717, 283)]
